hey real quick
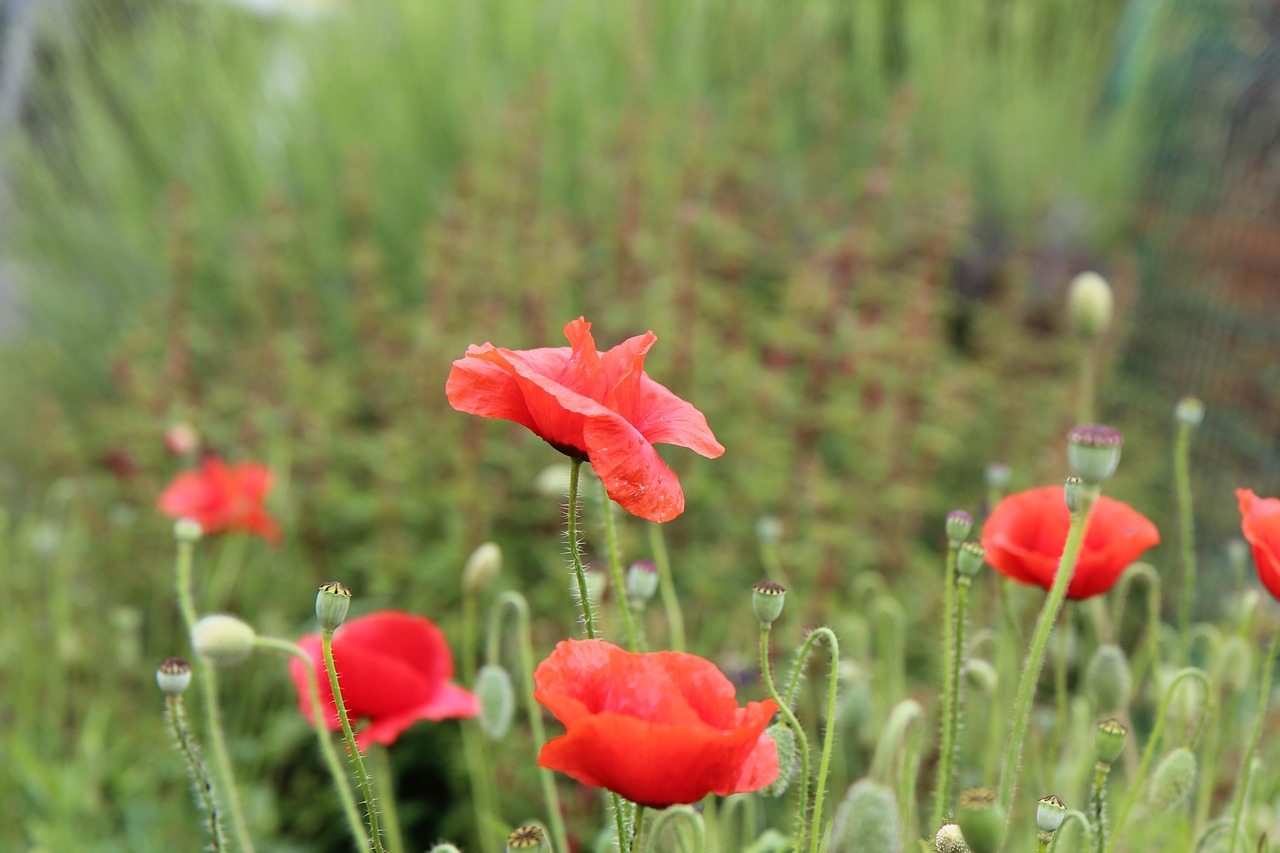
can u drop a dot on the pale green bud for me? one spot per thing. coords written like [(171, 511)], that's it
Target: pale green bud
[(173, 676), (1108, 740), (867, 821), (1189, 412), (1050, 813), (444, 847), (788, 759), (959, 523), (949, 839), (482, 569), (642, 581), (187, 530), (497, 700), (970, 558), (767, 599), (332, 602), (222, 640), (1073, 491), (1090, 304), (1236, 663), (1107, 679), (1172, 781)]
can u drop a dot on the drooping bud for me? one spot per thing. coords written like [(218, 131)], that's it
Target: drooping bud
[(867, 820), (970, 558), (788, 759), (1236, 663), (173, 676), (981, 819), (482, 569), (222, 640), (332, 602), (949, 839), (187, 530), (1089, 304), (642, 580), (1172, 781), (1074, 493), (1093, 452), (959, 523), (1108, 740), (525, 838), (1189, 412), (1107, 679), (497, 700), (767, 599), (981, 674), (1050, 813)]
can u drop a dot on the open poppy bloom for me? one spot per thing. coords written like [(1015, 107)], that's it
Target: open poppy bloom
[(394, 669), (1260, 524), (658, 729), (222, 497), (600, 406), (1027, 532)]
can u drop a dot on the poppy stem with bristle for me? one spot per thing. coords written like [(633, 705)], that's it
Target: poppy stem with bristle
[(947, 750), (366, 789), (1264, 697), (575, 551), (802, 741), (824, 763)]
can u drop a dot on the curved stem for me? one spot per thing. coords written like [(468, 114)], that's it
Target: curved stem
[(797, 670), (181, 732), (893, 734), (615, 567), (824, 763), (1146, 573), (575, 551), (667, 587), (366, 789), (947, 749), (1079, 818), (802, 742), (1264, 697), (690, 816), (1186, 527), (1211, 830)]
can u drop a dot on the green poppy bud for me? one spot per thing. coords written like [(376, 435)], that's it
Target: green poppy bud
[(959, 523), (970, 558), (1074, 493), (525, 838), (981, 819), (949, 839), (1189, 412), (642, 581), (173, 676), (1236, 663), (769, 529), (1172, 781), (766, 601), (981, 675), (222, 640), (1107, 679), (332, 602), (1093, 452), (444, 847), (1050, 813), (187, 530), (867, 820), (997, 476), (788, 759), (497, 700), (1089, 304), (1108, 740), (483, 567)]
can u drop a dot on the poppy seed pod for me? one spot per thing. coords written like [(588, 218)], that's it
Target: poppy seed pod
[(959, 523), (1189, 412), (1108, 740), (1050, 813), (642, 580), (222, 640), (173, 676), (482, 569), (981, 819), (525, 838), (1172, 781), (1089, 304), (333, 600), (867, 820), (497, 700), (767, 599), (970, 559), (1107, 679), (949, 839), (788, 759), (1093, 452)]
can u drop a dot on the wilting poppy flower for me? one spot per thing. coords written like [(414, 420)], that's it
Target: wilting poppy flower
[(659, 728), (222, 497), (1260, 525), (600, 406), (1027, 532), (394, 669)]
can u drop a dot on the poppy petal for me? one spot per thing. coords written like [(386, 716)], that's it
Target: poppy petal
[(633, 473)]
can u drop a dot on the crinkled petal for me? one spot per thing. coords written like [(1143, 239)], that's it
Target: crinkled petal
[(663, 418), (760, 769), (633, 473)]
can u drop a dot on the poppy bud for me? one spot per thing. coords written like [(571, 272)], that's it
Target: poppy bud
[(173, 676), (181, 439), (525, 838), (970, 558), (332, 602), (222, 640), (867, 821), (497, 700), (1093, 452), (482, 568), (1107, 679), (444, 847), (981, 819), (997, 476), (769, 529), (788, 759), (1172, 780), (1050, 813), (959, 523), (949, 839), (1236, 663), (642, 580), (1073, 491), (552, 481), (1089, 304), (1108, 740), (1189, 412), (766, 601), (1238, 556), (981, 674), (187, 530)]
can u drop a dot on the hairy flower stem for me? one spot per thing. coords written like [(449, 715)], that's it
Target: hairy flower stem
[(390, 814), (950, 664), (479, 767), (213, 714), (667, 587), (1039, 642), (349, 808), (824, 763), (366, 789), (957, 686), (802, 742), (691, 817), (615, 568), (1098, 805), (176, 718), (575, 550), (1186, 531), (1264, 695), (551, 799)]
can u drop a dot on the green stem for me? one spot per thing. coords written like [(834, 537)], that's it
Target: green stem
[(797, 670), (824, 762), (1264, 697), (348, 800), (1039, 642), (615, 567), (639, 829), (479, 769), (1146, 573), (1186, 526), (182, 572), (1098, 805), (947, 749), (181, 732), (667, 587), (1080, 819), (390, 814), (575, 551), (802, 742), (1213, 829), (366, 789), (1084, 411), (690, 816), (957, 663)]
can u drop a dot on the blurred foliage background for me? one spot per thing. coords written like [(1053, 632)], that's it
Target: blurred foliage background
[(850, 224)]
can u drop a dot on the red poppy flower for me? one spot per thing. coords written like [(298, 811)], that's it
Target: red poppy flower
[(1026, 533), (586, 403), (222, 497), (394, 669), (659, 728), (1261, 526)]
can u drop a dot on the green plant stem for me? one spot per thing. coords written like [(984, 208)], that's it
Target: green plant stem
[(1073, 815), (1088, 370), (1098, 805), (340, 783), (1146, 573), (550, 797), (639, 829), (575, 551), (824, 762), (182, 575), (802, 742), (615, 568), (947, 749), (1214, 828), (181, 732), (901, 736), (1186, 530), (366, 789), (390, 814), (479, 769), (1035, 657), (802, 663), (957, 667), (1042, 842), (1264, 697), (690, 816), (667, 587)]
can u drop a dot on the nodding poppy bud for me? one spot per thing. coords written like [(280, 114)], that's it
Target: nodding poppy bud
[(1189, 412), (788, 759), (222, 640), (173, 676), (1172, 780), (483, 567), (1089, 304), (1093, 452), (497, 700), (187, 530), (1050, 813), (642, 580), (525, 838), (332, 602), (767, 598), (970, 559), (1107, 679), (1236, 663), (997, 476), (949, 839), (1108, 740), (867, 820), (981, 819), (959, 523)]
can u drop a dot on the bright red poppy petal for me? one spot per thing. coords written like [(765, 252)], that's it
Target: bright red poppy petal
[(484, 383), (1018, 563), (375, 685), (663, 418), (188, 496), (412, 640), (1116, 537), (310, 645), (760, 769), (633, 473), (450, 702), (252, 481), (623, 368), (386, 730), (1260, 524)]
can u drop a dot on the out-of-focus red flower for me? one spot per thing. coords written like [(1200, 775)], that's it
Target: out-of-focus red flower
[(1260, 524), (393, 668), (1027, 532), (586, 403), (223, 497), (659, 728)]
